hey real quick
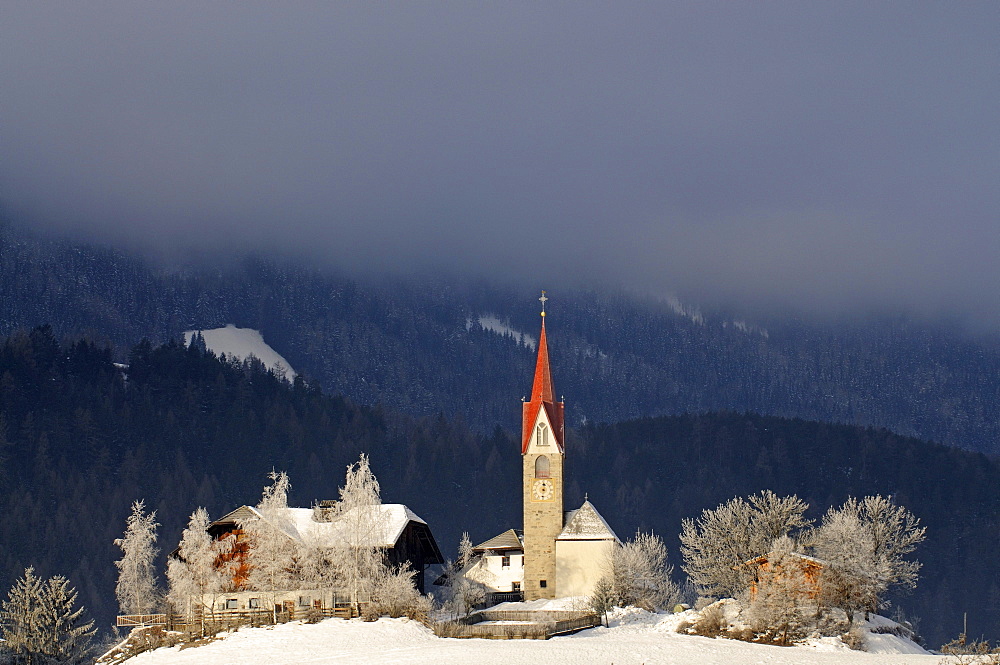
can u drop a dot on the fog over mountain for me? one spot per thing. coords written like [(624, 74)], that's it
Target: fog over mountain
[(828, 156)]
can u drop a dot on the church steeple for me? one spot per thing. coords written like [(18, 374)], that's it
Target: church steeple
[(542, 453)]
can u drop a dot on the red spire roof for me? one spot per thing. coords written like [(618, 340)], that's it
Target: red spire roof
[(542, 397), (542, 389)]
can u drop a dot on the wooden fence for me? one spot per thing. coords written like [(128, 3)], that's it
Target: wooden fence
[(219, 620), (140, 620)]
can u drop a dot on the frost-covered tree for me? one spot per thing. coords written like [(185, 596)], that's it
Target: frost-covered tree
[(271, 551), (638, 575), (717, 544), (317, 566), (137, 590), (465, 579), (193, 575), (393, 593), (864, 543), (360, 557), (465, 550), (21, 616), (40, 622)]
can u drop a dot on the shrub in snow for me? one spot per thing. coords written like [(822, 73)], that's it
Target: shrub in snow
[(720, 619), (962, 652), (394, 595), (40, 622), (637, 575), (855, 637), (466, 595)]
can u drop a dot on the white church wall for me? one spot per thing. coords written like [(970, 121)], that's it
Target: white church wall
[(579, 564)]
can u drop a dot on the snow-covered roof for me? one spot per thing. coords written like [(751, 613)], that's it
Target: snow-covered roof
[(585, 523), (300, 525), (508, 540), (393, 519)]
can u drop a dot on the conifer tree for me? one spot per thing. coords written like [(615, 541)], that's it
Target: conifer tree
[(136, 589), (21, 617), (40, 622)]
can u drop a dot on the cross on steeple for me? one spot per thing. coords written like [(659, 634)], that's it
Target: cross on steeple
[(542, 300)]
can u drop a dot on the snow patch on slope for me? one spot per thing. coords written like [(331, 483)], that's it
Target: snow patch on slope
[(494, 324), (241, 343), (692, 313), (747, 328)]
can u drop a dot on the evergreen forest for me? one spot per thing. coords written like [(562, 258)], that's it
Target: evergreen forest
[(82, 437), (417, 343)]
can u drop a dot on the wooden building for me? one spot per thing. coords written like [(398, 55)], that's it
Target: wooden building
[(405, 538), (791, 570)]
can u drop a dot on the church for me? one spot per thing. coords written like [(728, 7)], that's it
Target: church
[(557, 554)]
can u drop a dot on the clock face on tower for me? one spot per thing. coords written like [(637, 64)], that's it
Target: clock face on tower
[(542, 490)]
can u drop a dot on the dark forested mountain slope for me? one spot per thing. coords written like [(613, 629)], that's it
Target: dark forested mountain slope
[(418, 346), (79, 442)]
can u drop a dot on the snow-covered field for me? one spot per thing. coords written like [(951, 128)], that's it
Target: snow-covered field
[(242, 343), (635, 637)]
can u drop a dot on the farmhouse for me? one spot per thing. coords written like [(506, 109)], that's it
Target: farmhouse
[(405, 538)]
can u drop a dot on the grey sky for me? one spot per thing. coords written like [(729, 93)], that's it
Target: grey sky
[(832, 154)]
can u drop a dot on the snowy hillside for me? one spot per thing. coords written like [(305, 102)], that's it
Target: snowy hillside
[(242, 343), (635, 637)]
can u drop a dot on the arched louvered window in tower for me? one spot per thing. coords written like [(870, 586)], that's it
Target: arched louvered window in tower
[(542, 434), (541, 467)]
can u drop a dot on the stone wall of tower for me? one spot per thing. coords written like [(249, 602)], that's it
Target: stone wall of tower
[(543, 521)]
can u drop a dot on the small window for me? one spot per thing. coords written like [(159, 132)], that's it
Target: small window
[(232, 604), (543, 583), (304, 601), (505, 562), (542, 435), (541, 467), (254, 603), (515, 586)]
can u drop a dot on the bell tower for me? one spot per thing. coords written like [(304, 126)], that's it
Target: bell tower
[(542, 454)]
